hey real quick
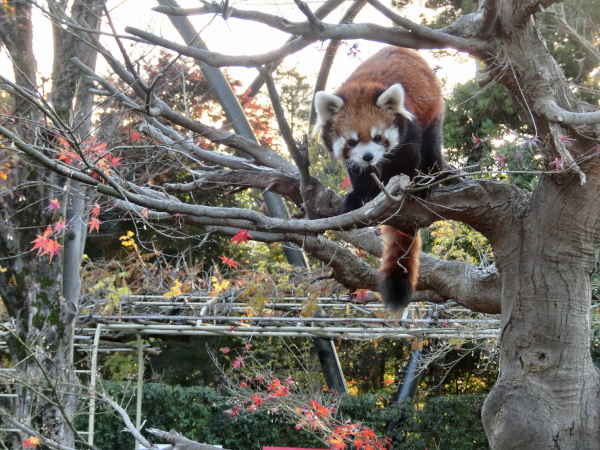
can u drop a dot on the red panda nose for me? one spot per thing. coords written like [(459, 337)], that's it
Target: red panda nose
[(368, 157)]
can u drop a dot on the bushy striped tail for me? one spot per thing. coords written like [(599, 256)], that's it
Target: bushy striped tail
[(400, 267)]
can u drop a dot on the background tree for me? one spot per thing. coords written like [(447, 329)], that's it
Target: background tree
[(38, 205)]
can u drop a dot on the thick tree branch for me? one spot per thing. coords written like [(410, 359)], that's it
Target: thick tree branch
[(472, 287), (218, 60), (179, 441), (434, 37), (550, 109), (489, 9), (392, 36)]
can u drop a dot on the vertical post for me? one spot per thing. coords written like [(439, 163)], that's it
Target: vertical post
[(138, 409), (330, 363), (408, 384), (93, 384), (275, 204), (236, 117)]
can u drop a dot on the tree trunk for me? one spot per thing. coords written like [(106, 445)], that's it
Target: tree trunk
[(547, 392), (44, 302)]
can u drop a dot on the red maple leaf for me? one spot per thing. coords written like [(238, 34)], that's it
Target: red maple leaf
[(135, 137), (40, 243), (52, 248), (559, 163), (92, 145), (361, 294), (59, 226), (337, 443), (238, 363), (31, 442), (96, 210), (257, 400), (144, 213), (230, 262), (225, 350), (54, 205), (115, 162), (94, 223), (346, 183), (241, 236)]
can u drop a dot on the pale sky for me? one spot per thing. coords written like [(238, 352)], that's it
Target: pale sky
[(243, 37)]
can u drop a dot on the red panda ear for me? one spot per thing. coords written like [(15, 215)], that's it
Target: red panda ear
[(326, 107), (392, 100)]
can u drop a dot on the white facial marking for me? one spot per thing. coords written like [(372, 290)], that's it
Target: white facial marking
[(354, 135), (392, 136), (357, 154), (338, 147)]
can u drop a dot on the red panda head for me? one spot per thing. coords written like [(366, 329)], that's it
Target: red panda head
[(361, 124)]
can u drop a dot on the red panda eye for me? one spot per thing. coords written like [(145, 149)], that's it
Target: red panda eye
[(377, 138), (352, 143)]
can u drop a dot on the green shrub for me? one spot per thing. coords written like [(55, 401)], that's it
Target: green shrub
[(198, 413)]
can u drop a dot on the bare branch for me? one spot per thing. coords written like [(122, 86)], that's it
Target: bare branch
[(300, 157), (169, 137), (393, 36), (31, 432), (130, 427), (317, 25), (218, 60), (550, 109), (261, 154), (434, 37), (322, 12), (179, 441)]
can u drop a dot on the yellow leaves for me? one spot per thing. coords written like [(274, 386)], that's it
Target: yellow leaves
[(175, 290), (457, 342), (457, 241), (310, 305), (219, 285), (10, 12), (3, 269), (128, 241), (419, 344), (31, 442), (108, 287)]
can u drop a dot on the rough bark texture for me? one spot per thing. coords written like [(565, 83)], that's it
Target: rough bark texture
[(547, 393)]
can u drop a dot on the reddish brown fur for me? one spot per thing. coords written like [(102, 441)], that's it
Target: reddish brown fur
[(360, 113), (387, 67), (400, 255)]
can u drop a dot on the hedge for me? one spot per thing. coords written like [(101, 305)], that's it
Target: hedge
[(198, 413)]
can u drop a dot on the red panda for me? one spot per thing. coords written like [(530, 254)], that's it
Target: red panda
[(386, 119)]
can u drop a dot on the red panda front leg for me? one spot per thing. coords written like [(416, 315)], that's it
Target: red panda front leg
[(364, 189)]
